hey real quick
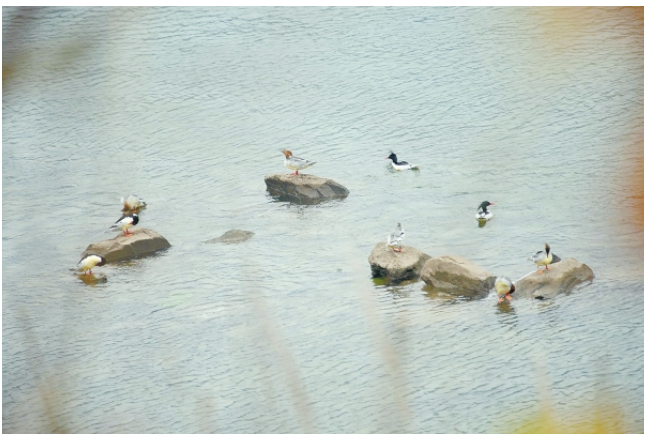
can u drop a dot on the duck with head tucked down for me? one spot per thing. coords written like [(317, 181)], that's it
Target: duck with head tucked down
[(505, 287)]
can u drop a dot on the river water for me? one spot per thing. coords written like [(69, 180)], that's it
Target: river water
[(540, 110)]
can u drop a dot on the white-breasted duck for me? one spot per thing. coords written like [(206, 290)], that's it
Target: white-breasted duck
[(505, 287), (89, 261), (544, 258), (124, 223), (396, 237), (483, 213), (296, 163), (400, 165)]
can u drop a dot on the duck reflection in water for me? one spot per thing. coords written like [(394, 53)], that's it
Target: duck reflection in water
[(91, 279)]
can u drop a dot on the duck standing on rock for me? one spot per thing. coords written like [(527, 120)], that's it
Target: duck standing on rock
[(505, 287), (396, 238), (543, 258), (124, 223), (296, 163), (88, 262), (483, 214), (400, 165)]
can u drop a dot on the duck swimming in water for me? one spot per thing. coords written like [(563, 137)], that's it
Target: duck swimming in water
[(505, 288), (395, 238), (400, 165), (543, 258), (483, 214), (296, 163)]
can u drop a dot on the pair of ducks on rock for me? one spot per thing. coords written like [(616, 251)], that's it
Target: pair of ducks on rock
[(505, 287), (298, 163), (131, 205)]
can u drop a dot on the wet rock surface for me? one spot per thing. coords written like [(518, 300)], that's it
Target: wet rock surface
[(143, 242), (304, 188), (561, 277), (456, 274), (396, 266), (232, 237)]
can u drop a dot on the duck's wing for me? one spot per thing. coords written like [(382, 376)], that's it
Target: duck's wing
[(539, 256)]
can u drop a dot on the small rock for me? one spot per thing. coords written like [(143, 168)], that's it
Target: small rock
[(304, 188), (141, 243), (232, 237), (456, 274), (561, 277), (396, 266)]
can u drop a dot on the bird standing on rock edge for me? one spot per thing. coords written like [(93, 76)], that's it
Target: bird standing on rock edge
[(542, 258), (505, 287), (124, 223), (296, 163), (395, 238)]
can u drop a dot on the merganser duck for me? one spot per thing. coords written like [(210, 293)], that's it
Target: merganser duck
[(543, 258), (124, 223), (132, 203), (89, 261), (483, 214), (396, 238), (505, 288), (296, 163), (400, 165)]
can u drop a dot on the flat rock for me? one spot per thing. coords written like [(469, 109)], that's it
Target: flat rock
[(396, 266), (232, 237), (561, 277), (141, 243), (455, 274), (304, 188)]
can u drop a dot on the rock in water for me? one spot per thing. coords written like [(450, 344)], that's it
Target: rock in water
[(304, 188), (561, 277), (143, 242), (232, 237), (455, 274), (396, 266)]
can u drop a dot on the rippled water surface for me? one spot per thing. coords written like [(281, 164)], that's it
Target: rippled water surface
[(539, 110)]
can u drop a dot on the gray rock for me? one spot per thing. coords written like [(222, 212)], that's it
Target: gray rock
[(304, 188), (456, 274), (396, 266), (232, 237), (561, 277), (143, 242)]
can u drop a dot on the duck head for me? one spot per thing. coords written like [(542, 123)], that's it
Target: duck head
[(392, 157), (287, 153)]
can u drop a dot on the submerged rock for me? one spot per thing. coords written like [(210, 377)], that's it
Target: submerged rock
[(456, 274), (232, 237), (396, 266), (561, 277), (304, 188), (141, 243)]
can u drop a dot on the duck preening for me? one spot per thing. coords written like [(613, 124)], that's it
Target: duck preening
[(395, 238), (505, 287), (400, 165), (483, 213), (543, 258), (296, 163), (88, 262), (132, 203), (124, 223)]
